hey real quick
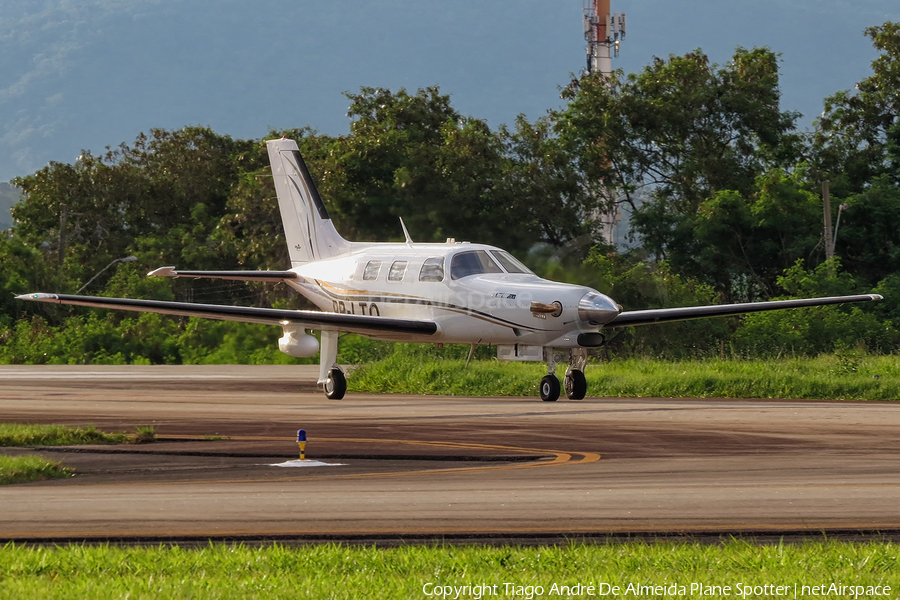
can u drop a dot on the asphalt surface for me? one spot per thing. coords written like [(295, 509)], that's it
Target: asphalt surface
[(399, 467)]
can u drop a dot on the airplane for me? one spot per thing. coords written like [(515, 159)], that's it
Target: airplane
[(454, 292)]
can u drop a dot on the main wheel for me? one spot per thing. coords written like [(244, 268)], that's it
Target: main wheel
[(335, 384), (575, 384), (549, 388)]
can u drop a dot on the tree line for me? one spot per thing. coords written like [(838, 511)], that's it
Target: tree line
[(722, 188)]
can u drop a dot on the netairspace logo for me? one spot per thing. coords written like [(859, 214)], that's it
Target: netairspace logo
[(741, 590)]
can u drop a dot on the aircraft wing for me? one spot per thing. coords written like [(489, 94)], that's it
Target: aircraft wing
[(270, 276), (664, 315), (308, 319)]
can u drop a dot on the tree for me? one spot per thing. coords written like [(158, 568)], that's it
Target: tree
[(21, 268), (414, 156), (388, 167), (252, 231), (684, 130), (809, 331), (684, 127), (160, 198), (858, 136), (857, 146), (637, 284), (745, 242), (546, 194), (869, 235)]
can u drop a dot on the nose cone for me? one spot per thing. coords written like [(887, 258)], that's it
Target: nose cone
[(597, 309)]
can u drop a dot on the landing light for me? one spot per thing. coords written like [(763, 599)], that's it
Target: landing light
[(555, 309)]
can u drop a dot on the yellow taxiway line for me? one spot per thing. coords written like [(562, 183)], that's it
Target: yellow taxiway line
[(559, 458)]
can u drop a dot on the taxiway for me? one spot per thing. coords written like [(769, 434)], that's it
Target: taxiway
[(425, 467)]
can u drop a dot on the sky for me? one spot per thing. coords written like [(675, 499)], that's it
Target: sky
[(94, 73)]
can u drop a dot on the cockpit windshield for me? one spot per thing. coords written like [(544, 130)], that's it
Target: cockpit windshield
[(509, 262), (473, 262)]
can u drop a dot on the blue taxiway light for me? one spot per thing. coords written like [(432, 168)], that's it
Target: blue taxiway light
[(301, 435)]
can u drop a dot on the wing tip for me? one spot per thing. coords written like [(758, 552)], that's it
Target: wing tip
[(163, 272), (39, 296)]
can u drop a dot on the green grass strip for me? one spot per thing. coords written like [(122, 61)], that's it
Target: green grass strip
[(337, 572), (14, 434), (825, 377), (22, 469)]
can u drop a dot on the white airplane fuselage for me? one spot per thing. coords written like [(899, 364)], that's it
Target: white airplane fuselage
[(387, 280)]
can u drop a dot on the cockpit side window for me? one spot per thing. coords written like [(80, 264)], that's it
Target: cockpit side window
[(473, 262), (432, 269), (509, 262), (372, 269), (398, 269)]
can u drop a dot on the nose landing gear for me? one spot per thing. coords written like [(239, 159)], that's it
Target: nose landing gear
[(575, 383)]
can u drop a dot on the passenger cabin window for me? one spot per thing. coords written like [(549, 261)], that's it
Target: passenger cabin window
[(398, 269), (509, 262), (473, 262), (432, 270), (372, 269)]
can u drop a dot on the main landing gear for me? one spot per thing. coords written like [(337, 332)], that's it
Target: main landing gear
[(574, 382), (331, 378), (335, 384)]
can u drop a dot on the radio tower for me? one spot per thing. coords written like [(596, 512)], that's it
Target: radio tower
[(603, 32)]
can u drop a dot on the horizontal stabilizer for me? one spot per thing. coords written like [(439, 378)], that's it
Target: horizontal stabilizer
[(664, 315), (307, 319), (272, 276)]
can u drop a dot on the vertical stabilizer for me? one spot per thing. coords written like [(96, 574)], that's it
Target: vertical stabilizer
[(310, 234)]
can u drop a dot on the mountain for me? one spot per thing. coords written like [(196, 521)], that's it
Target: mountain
[(93, 74)]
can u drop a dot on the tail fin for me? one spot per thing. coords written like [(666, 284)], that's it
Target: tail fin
[(310, 234)]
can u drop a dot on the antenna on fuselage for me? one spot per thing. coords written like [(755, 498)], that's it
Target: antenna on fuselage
[(405, 232)]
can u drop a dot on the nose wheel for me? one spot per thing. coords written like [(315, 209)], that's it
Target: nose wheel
[(575, 384), (549, 388)]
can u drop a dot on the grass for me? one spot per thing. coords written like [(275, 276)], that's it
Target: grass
[(15, 434), (333, 571), (145, 435), (22, 469), (845, 377)]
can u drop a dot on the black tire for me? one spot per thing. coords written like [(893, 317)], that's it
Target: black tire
[(335, 385), (576, 385), (549, 388)]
